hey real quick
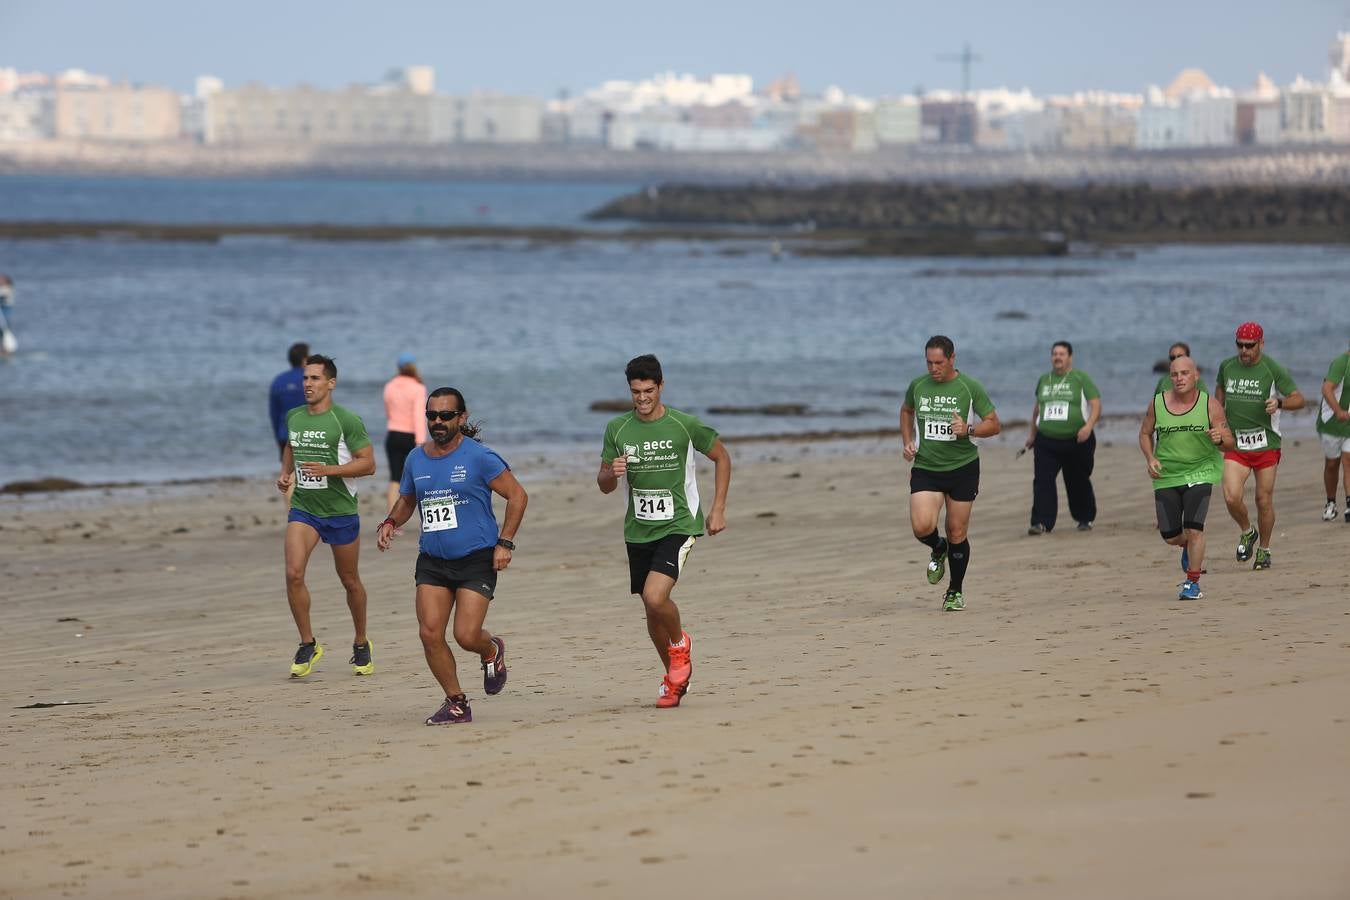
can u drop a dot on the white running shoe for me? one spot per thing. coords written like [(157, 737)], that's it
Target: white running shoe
[(1329, 514)]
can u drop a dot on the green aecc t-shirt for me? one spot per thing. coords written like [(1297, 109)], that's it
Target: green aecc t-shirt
[(1339, 376), (934, 403), (662, 491), (1245, 392), (330, 438), (1062, 403)]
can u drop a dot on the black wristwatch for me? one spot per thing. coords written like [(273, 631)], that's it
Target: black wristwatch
[(509, 545)]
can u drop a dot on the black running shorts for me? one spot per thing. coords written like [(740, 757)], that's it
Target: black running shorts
[(1185, 506), (666, 556), (473, 571), (397, 446), (959, 484)]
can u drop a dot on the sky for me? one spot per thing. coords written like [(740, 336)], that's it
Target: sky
[(880, 48)]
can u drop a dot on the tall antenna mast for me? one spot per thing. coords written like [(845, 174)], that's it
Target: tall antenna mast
[(966, 58)]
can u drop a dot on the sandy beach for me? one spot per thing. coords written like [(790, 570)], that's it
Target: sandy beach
[(1076, 732)]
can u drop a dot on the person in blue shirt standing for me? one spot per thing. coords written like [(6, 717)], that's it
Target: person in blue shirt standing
[(451, 479), (287, 392), (8, 344)]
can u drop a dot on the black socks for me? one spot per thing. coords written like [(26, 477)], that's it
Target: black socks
[(959, 555), (933, 542)]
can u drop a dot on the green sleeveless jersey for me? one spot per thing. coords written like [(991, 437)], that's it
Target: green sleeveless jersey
[(330, 438), (662, 491), (1187, 454)]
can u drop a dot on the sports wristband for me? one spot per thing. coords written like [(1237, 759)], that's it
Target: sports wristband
[(389, 520)]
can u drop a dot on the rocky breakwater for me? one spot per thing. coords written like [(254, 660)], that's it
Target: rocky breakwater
[(895, 210)]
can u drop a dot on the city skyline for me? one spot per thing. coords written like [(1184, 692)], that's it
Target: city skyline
[(1059, 48)]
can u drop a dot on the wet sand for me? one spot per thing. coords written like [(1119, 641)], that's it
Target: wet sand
[(1076, 732)]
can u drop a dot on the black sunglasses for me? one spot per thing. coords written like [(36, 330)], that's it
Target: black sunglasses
[(445, 415), (1245, 345)]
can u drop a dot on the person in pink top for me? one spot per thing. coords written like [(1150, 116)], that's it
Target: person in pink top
[(405, 403)]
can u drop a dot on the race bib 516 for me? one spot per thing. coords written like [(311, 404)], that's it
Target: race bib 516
[(1055, 411)]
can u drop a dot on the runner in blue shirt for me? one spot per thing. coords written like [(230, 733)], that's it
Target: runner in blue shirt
[(451, 480), (287, 392)]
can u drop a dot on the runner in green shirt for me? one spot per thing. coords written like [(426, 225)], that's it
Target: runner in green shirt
[(327, 447), (1253, 388), (1333, 425), (652, 447), (1063, 420), (941, 413), (1181, 436)]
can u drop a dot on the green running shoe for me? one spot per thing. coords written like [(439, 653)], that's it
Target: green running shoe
[(953, 602), (1245, 543), (937, 565), (1262, 560)]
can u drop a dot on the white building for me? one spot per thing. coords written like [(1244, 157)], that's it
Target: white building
[(1340, 55), (994, 110), (394, 112), (1305, 112), (27, 115), (486, 118), (194, 106), (897, 121), (1191, 112)]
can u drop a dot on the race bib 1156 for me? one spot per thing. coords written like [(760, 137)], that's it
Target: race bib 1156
[(937, 430)]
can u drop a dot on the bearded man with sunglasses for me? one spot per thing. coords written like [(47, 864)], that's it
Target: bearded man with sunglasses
[(1253, 389), (451, 480)]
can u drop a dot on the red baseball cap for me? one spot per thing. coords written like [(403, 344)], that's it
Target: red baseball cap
[(1250, 331)]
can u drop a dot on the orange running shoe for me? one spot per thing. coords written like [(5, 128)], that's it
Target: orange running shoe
[(681, 665), (669, 695)]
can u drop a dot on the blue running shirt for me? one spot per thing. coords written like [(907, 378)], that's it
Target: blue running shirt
[(454, 498)]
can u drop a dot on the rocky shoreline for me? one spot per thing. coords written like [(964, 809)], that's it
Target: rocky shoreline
[(1296, 214), (775, 241), (1293, 165)]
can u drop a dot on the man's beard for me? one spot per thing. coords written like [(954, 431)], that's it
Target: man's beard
[(441, 435)]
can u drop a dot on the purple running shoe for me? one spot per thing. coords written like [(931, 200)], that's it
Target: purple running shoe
[(454, 711), (494, 673)]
